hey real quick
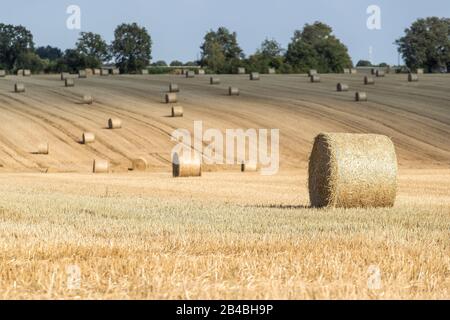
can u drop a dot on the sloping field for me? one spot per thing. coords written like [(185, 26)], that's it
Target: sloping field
[(415, 115)]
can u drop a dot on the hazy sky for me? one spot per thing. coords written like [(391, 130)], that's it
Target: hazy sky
[(177, 27)]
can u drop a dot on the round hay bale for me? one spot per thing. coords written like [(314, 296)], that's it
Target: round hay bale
[(368, 80), (43, 148), (26, 73), (2, 73), (419, 71), (352, 170), (312, 72), (144, 71), (380, 73), (214, 81), (271, 71), (19, 87), (249, 167), (315, 79), (97, 72), (360, 96), (189, 74), (346, 71), (412, 77), (341, 87), (177, 111), (373, 71), (64, 76), (115, 71), (139, 164), (254, 76), (88, 137), (82, 74), (186, 166), (233, 91), (114, 123), (200, 72), (171, 97), (20, 72), (100, 166), (69, 82), (89, 72), (88, 99), (104, 72), (173, 87)]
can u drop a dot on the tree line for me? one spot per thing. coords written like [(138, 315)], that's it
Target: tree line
[(426, 44)]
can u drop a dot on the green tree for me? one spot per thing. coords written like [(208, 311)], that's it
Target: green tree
[(29, 60), (15, 42), (426, 44), (159, 63), (220, 51), (72, 61), (364, 63), (316, 47), (176, 63), (132, 47), (50, 53), (269, 55), (94, 48)]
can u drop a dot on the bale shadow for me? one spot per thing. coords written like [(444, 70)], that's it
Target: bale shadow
[(280, 206)]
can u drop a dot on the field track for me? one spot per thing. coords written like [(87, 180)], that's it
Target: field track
[(415, 115)]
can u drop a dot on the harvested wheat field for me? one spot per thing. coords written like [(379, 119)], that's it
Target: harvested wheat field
[(227, 234)]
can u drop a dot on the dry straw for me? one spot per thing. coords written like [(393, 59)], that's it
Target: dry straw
[(352, 170), (104, 72), (19, 87), (353, 71), (368, 80), (312, 72), (419, 71), (360, 96), (69, 82), (88, 99), (249, 167), (89, 72), (144, 71), (346, 71), (139, 164), (200, 72), (241, 70), (412, 77), (43, 148), (115, 71), (254, 76), (82, 74), (271, 71), (177, 111), (97, 72), (213, 80), (171, 97), (88, 137), (26, 72), (20, 72), (190, 74), (314, 79), (173, 87), (114, 123), (186, 166), (373, 71), (233, 91), (64, 76), (342, 87), (2, 73), (100, 166)]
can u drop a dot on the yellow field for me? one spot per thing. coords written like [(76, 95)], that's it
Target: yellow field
[(226, 234)]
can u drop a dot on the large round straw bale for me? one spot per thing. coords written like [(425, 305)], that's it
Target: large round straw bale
[(88, 137), (233, 91), (314, 78), (82, 74), (114, 123), (373, 71), (69, 82), (342, 87), (190, 74), (89, 71), (19, 87), (346, 71), (312, 72), (43, 148), (2, 73), (271, 71), (214, 80), (412, 77), (241, 70), (20, 72), (97, 72), (64, 76), (419, 71), (100, 166), (104, 72), (26, 72), (88, 99), (186, 166), (352, 170), (139, 164), (249, 167), (200, 72), (171, 97), (360, 96), (368, 80), (115, 71), (144, 71), (353, 71), (177, 111), (254, 76), (173, 87), (380, 73)]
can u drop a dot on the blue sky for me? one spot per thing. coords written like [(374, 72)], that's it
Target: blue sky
[(177, 27)]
